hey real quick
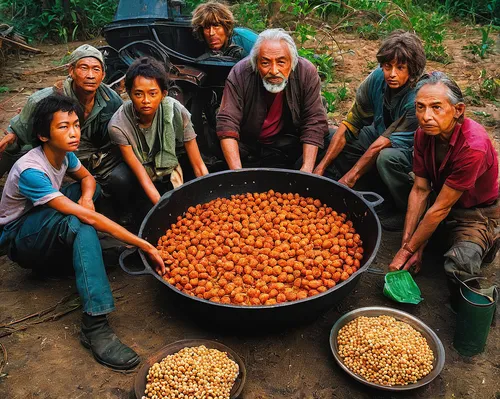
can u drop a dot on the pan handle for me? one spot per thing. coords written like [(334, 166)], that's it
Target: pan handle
[(365, 194), (165, 199), (125, 254)]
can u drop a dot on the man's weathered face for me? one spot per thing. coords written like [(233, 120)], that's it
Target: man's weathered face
[(274, 63), (87, 74), (395, 74), (435, 113), (215, 36)]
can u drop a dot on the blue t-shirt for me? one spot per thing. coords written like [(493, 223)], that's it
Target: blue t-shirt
[(35, 185), (33, 181)]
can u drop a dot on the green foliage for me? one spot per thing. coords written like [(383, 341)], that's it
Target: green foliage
[(332, 98), (486, 46), (251, 15), (191, 5), (430, 27), (403, 14), (331, 101), (472, 97), (342, 92), (490, 87), (59, 20), (4, 89), (324, 63), (304, 32), (475, 11)]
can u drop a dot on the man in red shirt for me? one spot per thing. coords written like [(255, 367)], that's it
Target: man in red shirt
[(454, 157)]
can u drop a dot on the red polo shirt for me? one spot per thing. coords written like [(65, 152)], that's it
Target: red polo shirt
[(470, 165)]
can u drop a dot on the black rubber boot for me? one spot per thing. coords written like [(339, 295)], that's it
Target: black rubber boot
[(107, 349)]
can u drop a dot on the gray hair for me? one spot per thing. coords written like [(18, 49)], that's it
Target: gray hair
[(275, 35), (454, 93)]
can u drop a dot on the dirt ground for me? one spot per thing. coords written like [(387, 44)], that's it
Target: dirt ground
[(46, 360)]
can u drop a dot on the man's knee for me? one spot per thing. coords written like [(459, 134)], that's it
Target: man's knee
[(392, 160), (463, 259), (120, 182), (388, 158), (74, 191)]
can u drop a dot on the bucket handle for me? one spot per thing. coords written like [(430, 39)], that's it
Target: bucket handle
[(125, 254), (365, 194)]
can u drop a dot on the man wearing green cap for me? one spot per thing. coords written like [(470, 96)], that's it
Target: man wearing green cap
[(99, 102)]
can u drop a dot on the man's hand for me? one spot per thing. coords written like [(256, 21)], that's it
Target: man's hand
[(348, 180), (414, 264), (7, 140), (157, 261), (87, 203), (400, 260), (319, 170)]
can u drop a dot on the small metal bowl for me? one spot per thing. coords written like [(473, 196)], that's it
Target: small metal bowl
[(174, 347), (432, 340)]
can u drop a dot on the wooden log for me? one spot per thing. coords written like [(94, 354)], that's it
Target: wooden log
[(21, 46)]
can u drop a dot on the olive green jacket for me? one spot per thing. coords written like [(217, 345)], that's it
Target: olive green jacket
[(96, 151)]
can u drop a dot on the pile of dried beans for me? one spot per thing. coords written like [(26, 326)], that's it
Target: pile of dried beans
[(260, 249)]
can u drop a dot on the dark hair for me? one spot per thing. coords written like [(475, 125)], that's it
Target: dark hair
[(455, 95), (405, 48), (45, 110), (212, 13), (147, 67)]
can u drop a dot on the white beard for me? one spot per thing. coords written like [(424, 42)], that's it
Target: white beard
[(273, 88)]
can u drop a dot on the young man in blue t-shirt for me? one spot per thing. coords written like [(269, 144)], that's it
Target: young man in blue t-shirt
[(44, 226)]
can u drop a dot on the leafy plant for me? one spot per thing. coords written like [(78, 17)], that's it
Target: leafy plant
[(324, 63), (490, 87), (342, 92), (486, 45), (330, 100), (4, 89), (305, 32), (251, 14), (472, 97), (59, 20)]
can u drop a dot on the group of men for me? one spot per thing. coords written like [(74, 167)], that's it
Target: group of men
[(405, 136)]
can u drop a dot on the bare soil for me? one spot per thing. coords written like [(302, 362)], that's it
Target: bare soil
[(46, 360)]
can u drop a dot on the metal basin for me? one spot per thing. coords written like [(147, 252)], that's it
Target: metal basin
[(432, 340), (174, 347), (224, 184)]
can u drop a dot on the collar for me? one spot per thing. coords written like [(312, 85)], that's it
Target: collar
[(454, 135), (395, 98)]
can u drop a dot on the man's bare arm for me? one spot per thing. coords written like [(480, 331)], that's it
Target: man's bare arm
[(309, 154), (337, 144), (231, 153), (428, 225), (366, 161)]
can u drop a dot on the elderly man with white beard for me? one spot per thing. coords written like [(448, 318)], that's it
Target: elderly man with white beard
[(271, 113)]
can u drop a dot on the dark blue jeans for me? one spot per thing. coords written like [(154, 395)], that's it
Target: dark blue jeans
[(46, 239)]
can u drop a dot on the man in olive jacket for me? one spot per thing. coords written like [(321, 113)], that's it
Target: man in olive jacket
[(99, 102), (271, 113)]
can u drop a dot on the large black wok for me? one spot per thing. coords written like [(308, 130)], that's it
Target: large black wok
[(224, 184)]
